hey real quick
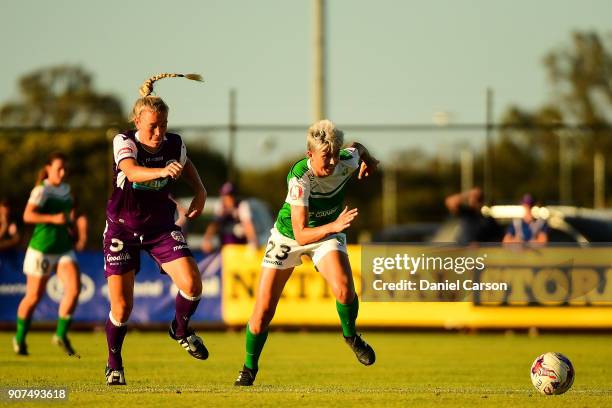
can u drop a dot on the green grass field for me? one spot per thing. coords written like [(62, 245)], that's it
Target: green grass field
[(318, 369)]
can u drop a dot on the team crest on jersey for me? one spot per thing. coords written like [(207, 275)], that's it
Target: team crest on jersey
[(178, 236), (296, 192)]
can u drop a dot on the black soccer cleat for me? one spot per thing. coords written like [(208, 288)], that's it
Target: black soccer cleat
[(65, 345), (364, 352), (114, 377), (190, 342), (21, 349), (246, 377)]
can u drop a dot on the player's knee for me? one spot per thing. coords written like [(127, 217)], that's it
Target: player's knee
[(194, 288), (344, 294), (258, 325), (261, 320), (72, 291), (121, 311), (32, 299)]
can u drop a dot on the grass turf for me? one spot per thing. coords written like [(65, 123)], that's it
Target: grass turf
[(315, 369)]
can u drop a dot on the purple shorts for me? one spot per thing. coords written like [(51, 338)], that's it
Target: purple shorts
[(122, 248)]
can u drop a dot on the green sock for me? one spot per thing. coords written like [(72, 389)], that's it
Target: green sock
[(23, 325), (254, 345), (63, 323), (348, 315)]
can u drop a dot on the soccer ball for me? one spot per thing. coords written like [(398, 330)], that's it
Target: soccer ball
[(552, 373)]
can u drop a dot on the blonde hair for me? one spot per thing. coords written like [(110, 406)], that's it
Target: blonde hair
[(324, 135), (155, 103)]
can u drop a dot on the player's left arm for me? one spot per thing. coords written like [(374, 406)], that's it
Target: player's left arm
[(82, 225), (246, 219), (368, 164), (191, 176)]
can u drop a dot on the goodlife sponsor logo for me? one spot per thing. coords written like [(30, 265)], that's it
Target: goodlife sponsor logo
[(118, 258)]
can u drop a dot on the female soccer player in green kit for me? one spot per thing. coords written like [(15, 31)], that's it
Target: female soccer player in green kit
[(310, 223), (50, 207)]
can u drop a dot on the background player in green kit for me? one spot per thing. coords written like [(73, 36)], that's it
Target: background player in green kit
[(310, 223), (50, 207)]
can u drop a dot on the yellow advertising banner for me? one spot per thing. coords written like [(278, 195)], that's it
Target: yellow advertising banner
[(579, 300)]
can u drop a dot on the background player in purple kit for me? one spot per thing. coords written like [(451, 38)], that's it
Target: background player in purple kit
[(141, 215)]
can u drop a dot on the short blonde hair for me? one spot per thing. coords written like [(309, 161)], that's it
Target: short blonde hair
[(155, 103), (324, 135)]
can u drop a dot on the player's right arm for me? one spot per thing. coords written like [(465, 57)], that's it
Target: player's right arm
[(125, 150), (139, 174), (208, 244), (305, 235), (31, 214)]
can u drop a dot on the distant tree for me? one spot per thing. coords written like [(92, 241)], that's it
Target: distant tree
[(581, 81), (61, 96), (581, 76)]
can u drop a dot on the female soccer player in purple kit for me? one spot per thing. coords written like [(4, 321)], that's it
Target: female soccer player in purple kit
[(141, 216)]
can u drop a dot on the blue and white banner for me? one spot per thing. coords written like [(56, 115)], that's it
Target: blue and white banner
[(154, 293)]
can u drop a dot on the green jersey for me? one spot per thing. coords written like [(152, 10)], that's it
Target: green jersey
[(50, 199), (324, 196)]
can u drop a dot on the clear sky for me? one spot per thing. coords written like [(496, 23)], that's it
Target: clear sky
[(388, 61)]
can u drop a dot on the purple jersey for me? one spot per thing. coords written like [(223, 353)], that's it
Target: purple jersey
[(143, 207)]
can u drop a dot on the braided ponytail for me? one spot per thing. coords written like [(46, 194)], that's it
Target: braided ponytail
[(147, 87), (155, 103)]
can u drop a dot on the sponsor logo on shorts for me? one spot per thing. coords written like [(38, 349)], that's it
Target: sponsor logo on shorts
[(178, 236), (340, 240), (116, 245), (117, 259), (279, 263), (179, 247)]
